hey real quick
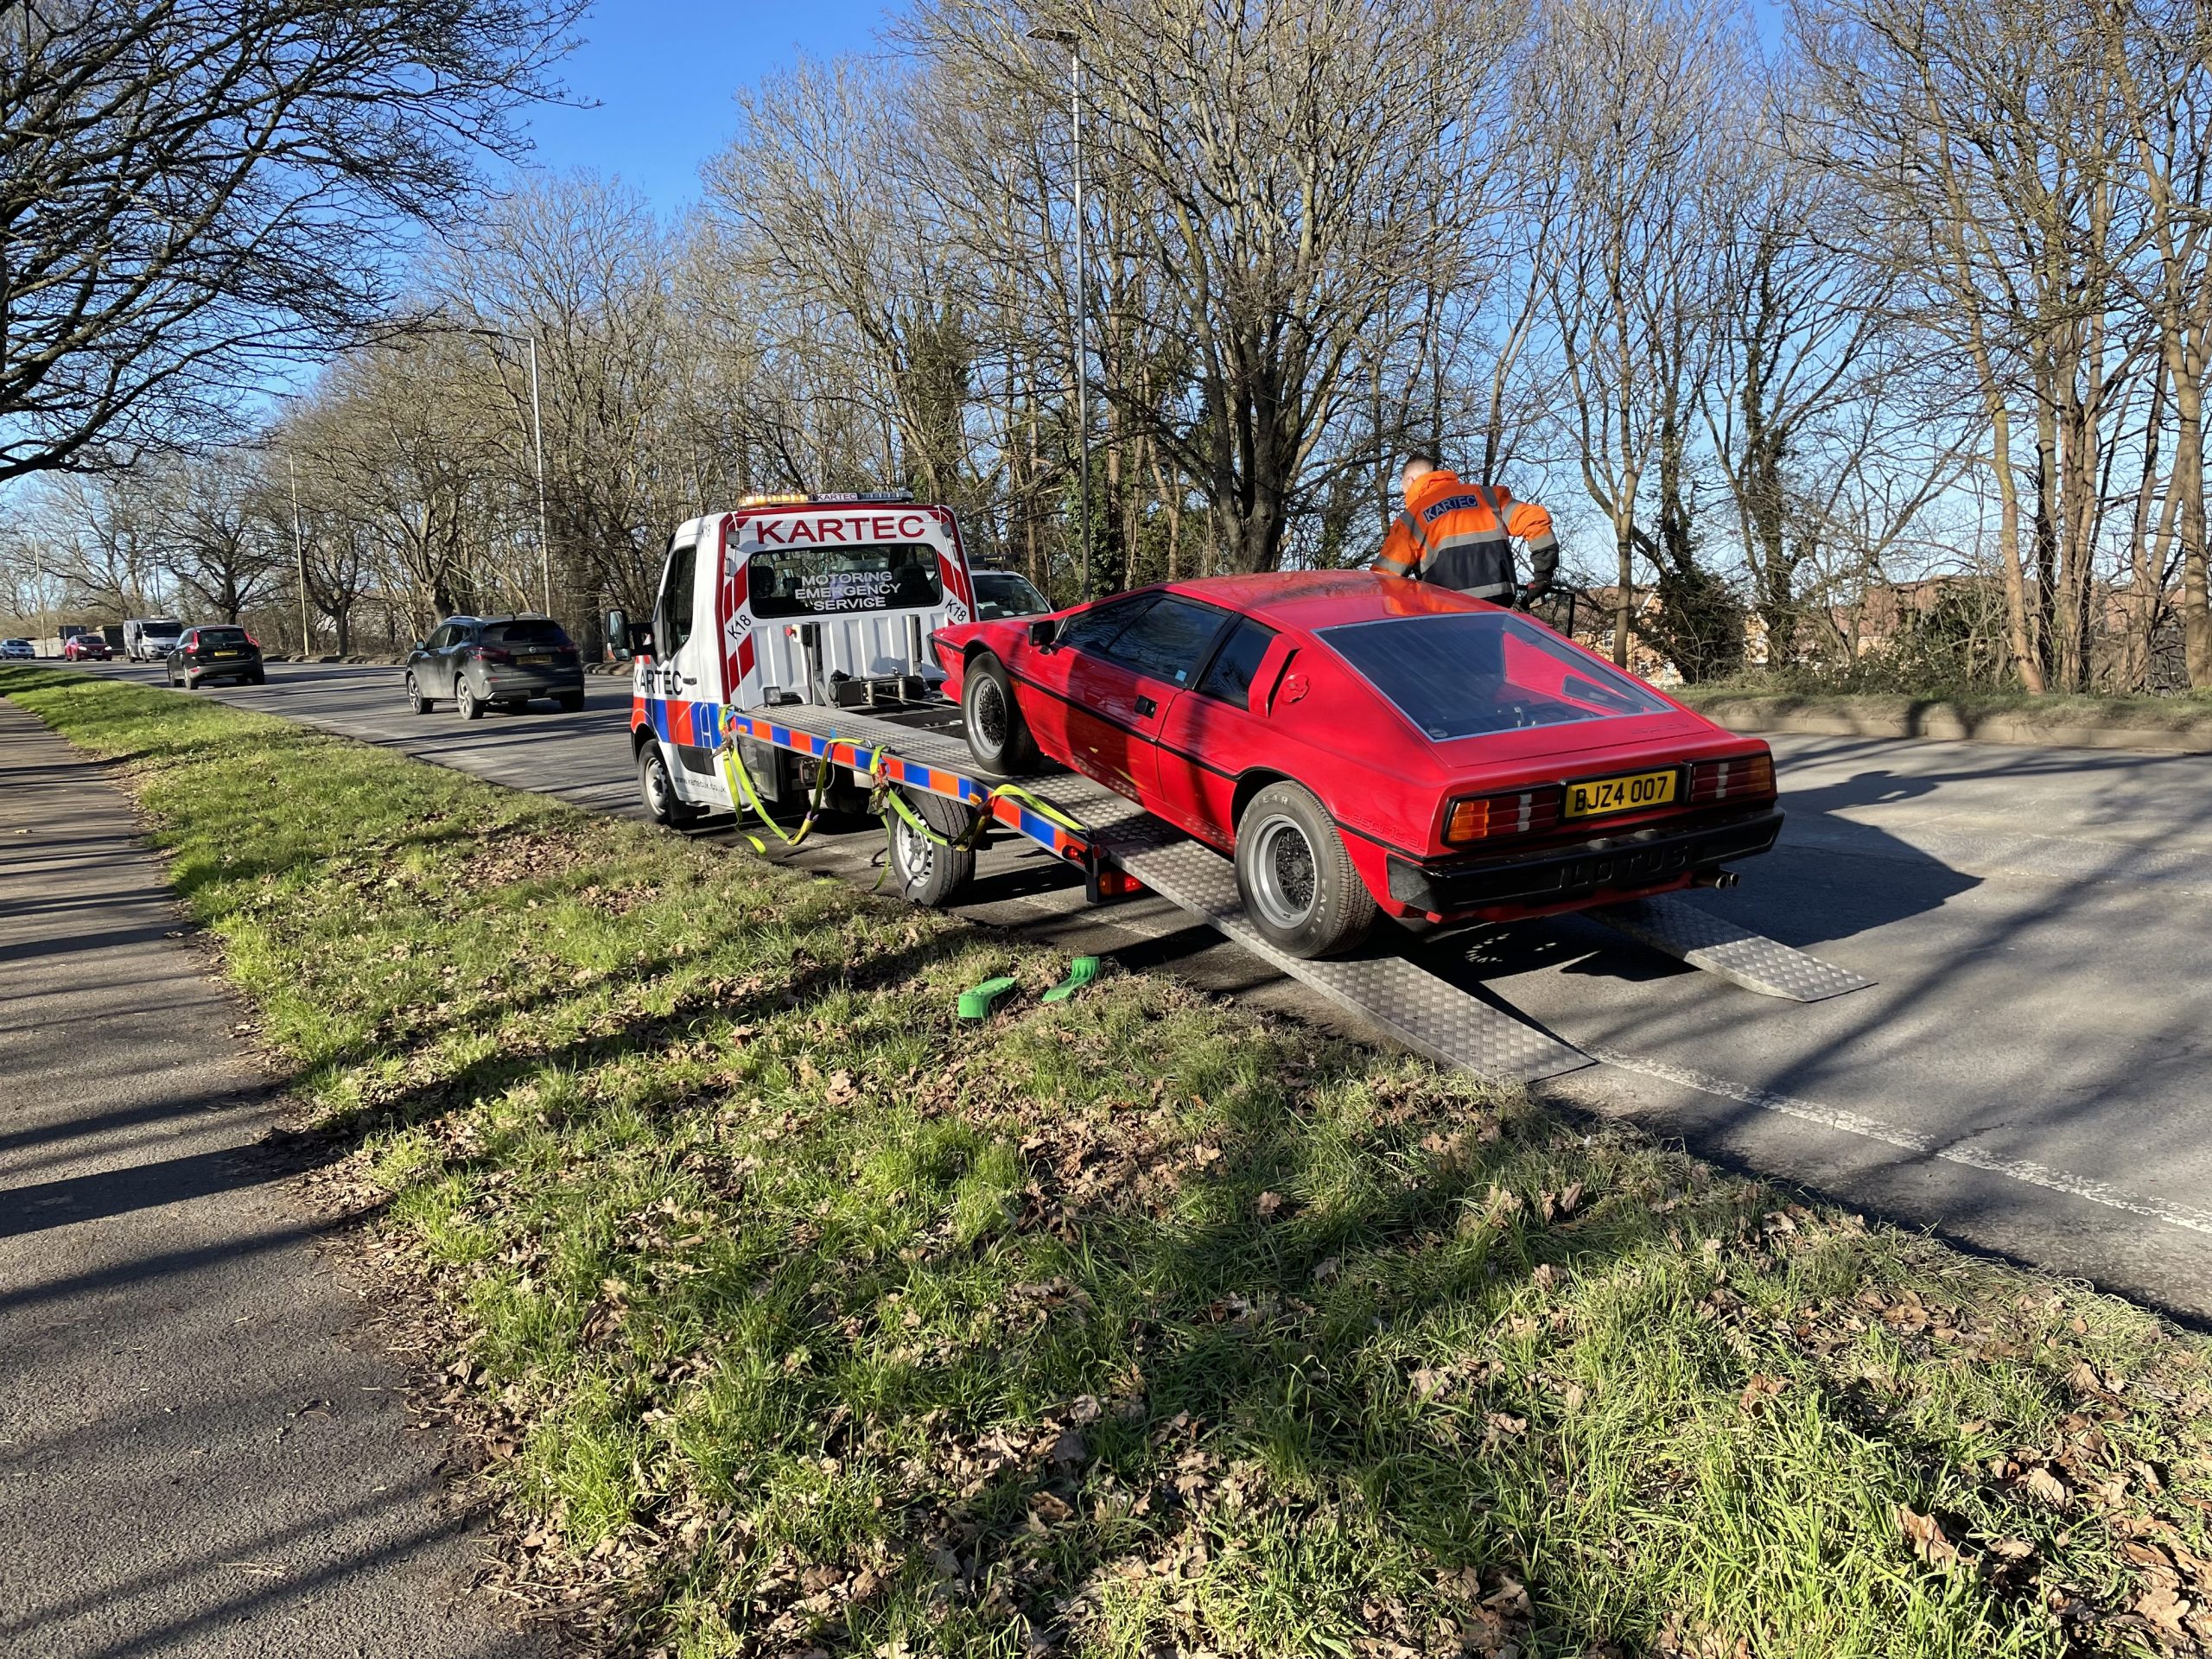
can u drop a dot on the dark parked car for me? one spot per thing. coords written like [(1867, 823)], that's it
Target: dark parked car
[(224, 652), (487, 661)]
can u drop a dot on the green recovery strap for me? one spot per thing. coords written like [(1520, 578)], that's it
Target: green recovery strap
[(739, 777)]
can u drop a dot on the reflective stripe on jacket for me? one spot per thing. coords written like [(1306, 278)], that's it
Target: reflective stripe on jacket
[(1454, 534)]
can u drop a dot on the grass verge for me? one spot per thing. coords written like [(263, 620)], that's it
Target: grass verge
[(793, 1316)]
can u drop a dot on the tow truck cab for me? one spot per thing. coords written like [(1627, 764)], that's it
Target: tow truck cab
[(790, 598)]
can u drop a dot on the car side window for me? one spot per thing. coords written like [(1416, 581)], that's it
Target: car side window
[(1229, 676), (676, 602), (441, 637), (1093, 630), (1168, 642)]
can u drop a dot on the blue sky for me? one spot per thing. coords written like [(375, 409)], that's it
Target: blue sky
[(663, 72)]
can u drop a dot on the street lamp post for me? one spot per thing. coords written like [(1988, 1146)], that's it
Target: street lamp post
[(299, 553), (1066, 37), (537, 443)]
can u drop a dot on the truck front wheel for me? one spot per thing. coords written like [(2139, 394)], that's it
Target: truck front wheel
[(658, 789)]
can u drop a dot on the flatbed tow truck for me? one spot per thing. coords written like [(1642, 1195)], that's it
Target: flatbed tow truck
[(862, 736)]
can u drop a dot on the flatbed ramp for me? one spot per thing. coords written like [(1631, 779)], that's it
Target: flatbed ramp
[(1426, 1014)]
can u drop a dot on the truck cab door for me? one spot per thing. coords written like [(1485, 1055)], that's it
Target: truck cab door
[(685, 668)]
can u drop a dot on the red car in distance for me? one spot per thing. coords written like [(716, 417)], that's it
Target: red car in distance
[(1364, 746), (85, 647)]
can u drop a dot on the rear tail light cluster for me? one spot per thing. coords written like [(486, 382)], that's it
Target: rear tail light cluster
[(1746, 778), (1492, 817), (494, 654)]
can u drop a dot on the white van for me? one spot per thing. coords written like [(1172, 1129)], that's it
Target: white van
[(790, 598), (150, 639)]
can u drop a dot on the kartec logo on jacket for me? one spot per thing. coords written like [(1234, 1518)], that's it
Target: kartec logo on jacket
[(1457, 535)]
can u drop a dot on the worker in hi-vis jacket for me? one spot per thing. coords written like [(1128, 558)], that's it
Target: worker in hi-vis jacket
[(1460, 535)]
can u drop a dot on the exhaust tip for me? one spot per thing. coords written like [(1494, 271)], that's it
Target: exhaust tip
[(1722, 879)]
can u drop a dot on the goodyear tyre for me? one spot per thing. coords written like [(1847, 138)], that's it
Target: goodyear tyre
[(1298, 883)]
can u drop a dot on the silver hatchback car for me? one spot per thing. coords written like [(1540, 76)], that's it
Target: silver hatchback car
[(483, 662)]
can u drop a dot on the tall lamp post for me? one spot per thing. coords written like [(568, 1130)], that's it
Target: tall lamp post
[(1066, 37), (299, 552), (538, 439)]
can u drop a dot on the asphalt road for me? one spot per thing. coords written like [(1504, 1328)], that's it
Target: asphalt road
[(201, 1452), (2028, 1075)]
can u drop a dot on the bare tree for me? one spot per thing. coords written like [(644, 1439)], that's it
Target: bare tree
[(191, 191)]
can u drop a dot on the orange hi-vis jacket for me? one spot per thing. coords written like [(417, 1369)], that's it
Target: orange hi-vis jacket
[(1454, 534)]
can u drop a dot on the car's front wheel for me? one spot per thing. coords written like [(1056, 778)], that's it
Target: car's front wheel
[(998, 735), (1295, 878), (416, 703)]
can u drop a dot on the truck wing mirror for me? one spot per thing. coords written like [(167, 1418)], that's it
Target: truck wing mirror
[(1043, 633), (618, 633)]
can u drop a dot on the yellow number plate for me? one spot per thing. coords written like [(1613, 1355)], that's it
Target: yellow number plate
[(534, 660), (1603, 794)]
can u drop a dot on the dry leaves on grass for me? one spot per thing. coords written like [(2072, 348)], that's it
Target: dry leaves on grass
[(1926, 1535)]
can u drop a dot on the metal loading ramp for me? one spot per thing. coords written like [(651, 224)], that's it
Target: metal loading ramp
[(1728, 952)]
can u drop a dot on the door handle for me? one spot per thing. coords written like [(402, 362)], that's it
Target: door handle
[(1146, 708)]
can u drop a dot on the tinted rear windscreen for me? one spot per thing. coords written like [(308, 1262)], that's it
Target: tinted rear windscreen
[(526, 630), (1466, 675), (832, 581), (225, 637)]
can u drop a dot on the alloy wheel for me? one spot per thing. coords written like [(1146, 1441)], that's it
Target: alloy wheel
[(1286, 881)]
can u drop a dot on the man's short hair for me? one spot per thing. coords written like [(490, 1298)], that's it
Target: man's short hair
[(1419, 463)]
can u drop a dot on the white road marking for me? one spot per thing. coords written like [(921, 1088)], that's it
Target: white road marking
[(1849, 1122)]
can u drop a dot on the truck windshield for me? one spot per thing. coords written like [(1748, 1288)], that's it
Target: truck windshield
[(1466, 675), (830, 581), (1001, 593)]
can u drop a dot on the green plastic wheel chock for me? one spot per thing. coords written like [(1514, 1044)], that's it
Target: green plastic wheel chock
[(1081, 972), (977, 1004)]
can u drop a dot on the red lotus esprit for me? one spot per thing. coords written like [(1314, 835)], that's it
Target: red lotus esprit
[(1366, 745)]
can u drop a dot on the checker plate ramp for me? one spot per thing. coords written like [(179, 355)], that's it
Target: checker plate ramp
[(1423, 1013), (1719, 947), (1426, 1014)]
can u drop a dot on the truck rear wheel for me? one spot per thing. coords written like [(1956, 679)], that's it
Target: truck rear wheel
[(1295, 878), (998, 736), (929, 872)]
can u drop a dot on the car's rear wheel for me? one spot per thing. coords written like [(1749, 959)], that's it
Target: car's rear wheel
[(998, 735), (658, 789), (416, 703), (464, 700), (1296, 880), (259, 676), (572, 703), (929, 872)]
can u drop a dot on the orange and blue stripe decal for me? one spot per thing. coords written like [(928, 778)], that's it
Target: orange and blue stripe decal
[(935, 780), (674, 721)]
